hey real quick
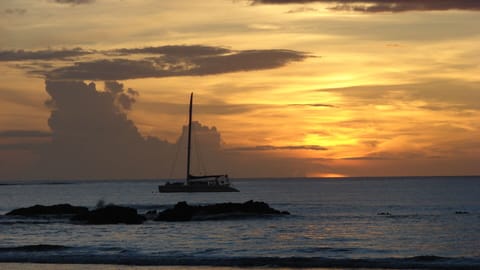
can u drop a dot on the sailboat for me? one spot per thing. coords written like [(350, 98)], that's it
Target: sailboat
[(197, 183)]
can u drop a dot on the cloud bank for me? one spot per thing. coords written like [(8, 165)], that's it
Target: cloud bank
[(173, 61), (74, 2), (22, 55), (92, 137), (373, 6), (24, 134), (148, 62)]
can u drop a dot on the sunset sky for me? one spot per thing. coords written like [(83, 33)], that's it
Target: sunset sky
[(98, 89)]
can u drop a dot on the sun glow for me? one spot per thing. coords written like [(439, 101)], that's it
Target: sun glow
[(328, 141), (327, 175)]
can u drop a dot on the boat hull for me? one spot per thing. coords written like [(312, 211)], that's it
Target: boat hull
[(195, 188)]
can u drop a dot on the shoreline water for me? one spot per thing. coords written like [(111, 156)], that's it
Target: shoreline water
[(419, 262), (391, 223), (40, 266)]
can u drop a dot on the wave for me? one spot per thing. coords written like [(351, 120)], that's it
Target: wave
[(12, 220), (146, 207), (33, 248), (43, 254), (324, 249), (33, 183)]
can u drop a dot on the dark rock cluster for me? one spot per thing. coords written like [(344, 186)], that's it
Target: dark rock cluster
[(52, 210), (184, 212), (113, 214), (110, 214)]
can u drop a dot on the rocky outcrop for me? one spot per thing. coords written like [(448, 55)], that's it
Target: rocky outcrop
[(110, 214), (52, 210), (113, 214), (184, 212)]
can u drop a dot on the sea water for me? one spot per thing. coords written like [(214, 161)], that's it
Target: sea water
[(404, 222)]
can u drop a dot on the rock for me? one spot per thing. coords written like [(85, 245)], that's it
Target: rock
[(184, 212), (111, 214), (150, 215), (180, 212), (384, 214), (53, 210)]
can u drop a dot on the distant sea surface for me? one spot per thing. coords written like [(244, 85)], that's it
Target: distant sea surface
[(382, 223)]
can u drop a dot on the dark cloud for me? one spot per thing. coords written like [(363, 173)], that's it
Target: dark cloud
[(175, 50), (22, 55), (245, 61), (314, 105), (74, 2), (24, 139), (385, 155), (302, 10), (387, 5), (155, 62), (201, 109), (92, 136), (175, 64), (286, 147), (21, 146), (117, 69), (24, 134), (124, 98), (15, 11), (114, 87)]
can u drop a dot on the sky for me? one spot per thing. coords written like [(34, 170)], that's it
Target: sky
[(99, 89)]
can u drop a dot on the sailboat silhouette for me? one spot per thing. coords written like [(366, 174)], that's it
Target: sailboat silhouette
[(197, 183)]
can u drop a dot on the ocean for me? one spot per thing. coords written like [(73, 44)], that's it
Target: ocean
[(347, 223)]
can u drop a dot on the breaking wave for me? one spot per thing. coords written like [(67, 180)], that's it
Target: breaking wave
[(63, 254), (33, 248)]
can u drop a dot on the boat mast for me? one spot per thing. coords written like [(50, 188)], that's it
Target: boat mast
[(189, 137)]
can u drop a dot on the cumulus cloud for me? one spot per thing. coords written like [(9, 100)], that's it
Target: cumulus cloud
[(124, 98), (23, 139), (387, 5), (20, 146), (24, 134), (92, 136)]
